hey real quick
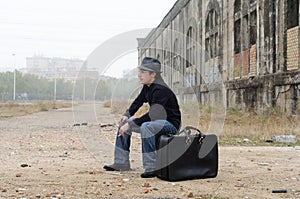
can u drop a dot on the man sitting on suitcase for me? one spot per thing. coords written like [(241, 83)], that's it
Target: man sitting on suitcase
[(164, 117)]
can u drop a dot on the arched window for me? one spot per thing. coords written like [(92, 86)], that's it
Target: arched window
[(212, 35), (166, 61), (190, 48), (166, 66), (176, 63), (212, 69), (176, 56), (190, 71)]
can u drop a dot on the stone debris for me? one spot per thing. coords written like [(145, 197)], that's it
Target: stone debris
[(20, 189), (146, 190), (3, 190), (146, 184), (246, 140), (285, 138), (263, 164), (108, 127), (190, 195)]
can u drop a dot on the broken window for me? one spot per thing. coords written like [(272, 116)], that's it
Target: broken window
[(237, 6), (292, 13), (253, 29), (245, 33), (190, 70), (207, 24), (245, 36), (237, 36), (292, 44), (176, 56), (190, 46), (166, 62), (217, 49), (266, 19), (207, 47), (175, 79), (237, 26), (212, 39)]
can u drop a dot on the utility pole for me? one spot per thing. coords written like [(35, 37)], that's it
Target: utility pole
[(54, 97), (84, 88), (14, 66)]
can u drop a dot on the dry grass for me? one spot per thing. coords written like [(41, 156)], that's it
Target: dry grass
[(237, 125), (260, 126), (12, 109), (240, 125)]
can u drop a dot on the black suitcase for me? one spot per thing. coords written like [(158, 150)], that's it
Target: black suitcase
[(185, 157)]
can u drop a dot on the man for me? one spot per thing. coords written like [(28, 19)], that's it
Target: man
[(164, 117)]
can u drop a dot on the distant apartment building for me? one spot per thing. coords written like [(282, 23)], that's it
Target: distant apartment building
[(62, 68)]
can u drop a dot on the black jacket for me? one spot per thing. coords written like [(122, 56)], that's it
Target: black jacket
[(163, 105)]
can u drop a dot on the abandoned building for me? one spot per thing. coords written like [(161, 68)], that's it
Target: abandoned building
[(251, 47)]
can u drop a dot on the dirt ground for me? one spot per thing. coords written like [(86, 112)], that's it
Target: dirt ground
[(44, 155)]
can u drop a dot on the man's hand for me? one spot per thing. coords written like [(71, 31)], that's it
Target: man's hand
[(121, 120), (123, 129)]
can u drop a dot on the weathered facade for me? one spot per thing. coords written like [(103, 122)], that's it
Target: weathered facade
[(251, 47)]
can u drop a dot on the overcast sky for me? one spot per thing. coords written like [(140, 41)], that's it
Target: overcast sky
[(69, 28)]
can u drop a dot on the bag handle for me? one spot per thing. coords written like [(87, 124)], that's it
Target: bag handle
[(187, 131)]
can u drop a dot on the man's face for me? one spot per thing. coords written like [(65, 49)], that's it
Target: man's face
[(146, 77)]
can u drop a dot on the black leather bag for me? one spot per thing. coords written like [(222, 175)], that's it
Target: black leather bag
[(188, 156)]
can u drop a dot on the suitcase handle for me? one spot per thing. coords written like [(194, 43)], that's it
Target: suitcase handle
[(187, 132)]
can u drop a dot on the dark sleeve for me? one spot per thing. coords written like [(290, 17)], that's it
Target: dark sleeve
[(139, 121), (136, 104)]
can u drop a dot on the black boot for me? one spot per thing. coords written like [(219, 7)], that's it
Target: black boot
[(117, 167)]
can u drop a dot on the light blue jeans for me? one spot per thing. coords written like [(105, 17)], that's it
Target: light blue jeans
[(148, 130)]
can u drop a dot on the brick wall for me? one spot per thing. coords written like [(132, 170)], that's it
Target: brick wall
[(292, 48), (245, 63)]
